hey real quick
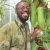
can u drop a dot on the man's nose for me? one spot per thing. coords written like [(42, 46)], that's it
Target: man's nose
[(25, 9)]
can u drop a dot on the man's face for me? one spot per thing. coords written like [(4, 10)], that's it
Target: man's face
[(23, 11)]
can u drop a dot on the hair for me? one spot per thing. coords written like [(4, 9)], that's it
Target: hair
[(18, 4)]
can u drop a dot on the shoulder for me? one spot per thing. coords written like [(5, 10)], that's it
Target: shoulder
[(7, 27)]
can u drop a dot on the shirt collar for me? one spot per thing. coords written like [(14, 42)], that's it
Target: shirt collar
[(20, 24)]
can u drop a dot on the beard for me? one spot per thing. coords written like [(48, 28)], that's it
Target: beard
[(21, 18)]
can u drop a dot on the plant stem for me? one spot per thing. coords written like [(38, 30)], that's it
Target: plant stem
[(3, 13)]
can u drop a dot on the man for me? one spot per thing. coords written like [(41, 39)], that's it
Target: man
[(15, 35)]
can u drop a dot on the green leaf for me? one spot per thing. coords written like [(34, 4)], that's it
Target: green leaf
[(3, 0)]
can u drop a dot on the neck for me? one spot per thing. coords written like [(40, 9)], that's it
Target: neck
[(21, 21)]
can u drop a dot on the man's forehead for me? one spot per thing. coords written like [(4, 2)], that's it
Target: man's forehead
[(23, 4)]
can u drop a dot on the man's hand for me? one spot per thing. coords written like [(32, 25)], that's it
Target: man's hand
[(37, 30)]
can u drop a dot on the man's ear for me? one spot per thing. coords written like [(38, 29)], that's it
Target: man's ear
[(16, 11)]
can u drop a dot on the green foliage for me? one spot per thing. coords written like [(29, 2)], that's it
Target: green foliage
[(3, 0), (45, 36), (1, 8), (45, 12), (1, 12), (33, 44), (44, 1)]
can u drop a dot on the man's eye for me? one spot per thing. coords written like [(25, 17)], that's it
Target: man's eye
[(22, 7), (28, 7)]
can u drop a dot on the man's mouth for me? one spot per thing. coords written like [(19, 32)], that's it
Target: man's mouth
[(25, 14)]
